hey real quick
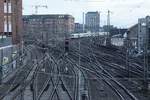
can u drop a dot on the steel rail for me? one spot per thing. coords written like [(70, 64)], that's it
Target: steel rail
[(118, 84)]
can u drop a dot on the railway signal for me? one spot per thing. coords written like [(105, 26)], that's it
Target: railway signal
[(66, 45)]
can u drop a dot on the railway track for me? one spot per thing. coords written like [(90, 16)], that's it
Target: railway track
[(29, 78), (17, 83), (55, 79), (85, 87), (116, 86), (75, 71), (107, 63), (47, 78), (76, 78), (112, 82)]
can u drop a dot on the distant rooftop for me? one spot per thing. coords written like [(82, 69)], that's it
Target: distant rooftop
[(53, 16), (94, 12)]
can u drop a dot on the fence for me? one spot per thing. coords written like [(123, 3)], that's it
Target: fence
[(9, 56)]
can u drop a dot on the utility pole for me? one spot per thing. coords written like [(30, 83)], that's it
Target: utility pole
[(98, 39), (83, 22), (127, 54), (99, 21), (108, 41), (80, 76), (79, 70), (145, 83), (34, 87)]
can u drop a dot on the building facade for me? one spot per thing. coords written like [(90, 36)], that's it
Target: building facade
[(92, 21), (132, 35), (131, 40), (139, 35), (78, 28), (144, 33), (11, 19), (52, 25)]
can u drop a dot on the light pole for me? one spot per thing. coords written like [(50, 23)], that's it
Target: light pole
[(79, 47), (146, 57), (79, 69), (127, 54)]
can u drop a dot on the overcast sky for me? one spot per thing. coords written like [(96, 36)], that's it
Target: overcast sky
[(124, 13)]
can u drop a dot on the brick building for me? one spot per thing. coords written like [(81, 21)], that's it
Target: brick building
[(11, 19), (50, 26)]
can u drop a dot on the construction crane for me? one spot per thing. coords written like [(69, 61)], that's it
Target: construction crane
[(39, 6)]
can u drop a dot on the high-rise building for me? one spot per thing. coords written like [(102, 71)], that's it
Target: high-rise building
[(92, 21), (51, 25), (11, 19)]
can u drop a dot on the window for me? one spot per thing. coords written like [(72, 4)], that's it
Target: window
[(143, 24), (7, 6), (7, 24)]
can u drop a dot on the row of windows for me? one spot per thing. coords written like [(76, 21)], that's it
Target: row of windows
[(47, 26), (48, 19), (46, 23)]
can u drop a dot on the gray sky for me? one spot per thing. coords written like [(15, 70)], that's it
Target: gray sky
[(125, 13)]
